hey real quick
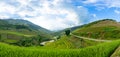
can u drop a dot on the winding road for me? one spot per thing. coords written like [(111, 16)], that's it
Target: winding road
[(91, 38)]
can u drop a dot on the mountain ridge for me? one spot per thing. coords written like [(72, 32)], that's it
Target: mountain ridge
[(15, 31), (28, 23), (103, 29)]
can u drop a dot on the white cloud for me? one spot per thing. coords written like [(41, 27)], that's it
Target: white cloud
[(117, 11), (2, 16), (50, 14), (56, 19), (94, 15), (103, 3), (7, 8), (113, 3), (90, 1)]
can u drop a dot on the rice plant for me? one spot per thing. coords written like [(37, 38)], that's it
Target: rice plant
[(102, 50)]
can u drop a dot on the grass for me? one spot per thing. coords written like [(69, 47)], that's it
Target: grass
[(104, 32), (15, 33), (10, 41), (102, 29), (8, 36), (71, 42), (82, 43), (116, 53), (102, 50), (62, 43), (22, 39), (66, 46)]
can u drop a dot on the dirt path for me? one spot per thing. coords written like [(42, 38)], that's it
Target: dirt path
[(91, 38), (43, 43)]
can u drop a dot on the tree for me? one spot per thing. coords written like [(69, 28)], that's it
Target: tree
[(39, 38), (36, 40), (25, 42), (67, 32)]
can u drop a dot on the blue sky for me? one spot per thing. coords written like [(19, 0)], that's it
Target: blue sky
[(60, 14)]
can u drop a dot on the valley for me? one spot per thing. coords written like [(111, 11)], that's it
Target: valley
[(21, 38)]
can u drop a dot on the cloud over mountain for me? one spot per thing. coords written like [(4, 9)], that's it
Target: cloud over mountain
[(50, 14), (59, 14)]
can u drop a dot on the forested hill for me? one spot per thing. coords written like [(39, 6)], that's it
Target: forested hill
[(13, 31)]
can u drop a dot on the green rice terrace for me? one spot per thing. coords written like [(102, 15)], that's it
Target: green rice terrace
[(97, 39), (102, 50)]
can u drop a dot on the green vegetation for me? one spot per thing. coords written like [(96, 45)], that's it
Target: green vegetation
[(27, 23), (116, 52), (102, 50), (31, 41), (62, 43), (67, 32), (95, 22), (29, 36), (103, 29), (19, 31), (71, 42), (21, 39)]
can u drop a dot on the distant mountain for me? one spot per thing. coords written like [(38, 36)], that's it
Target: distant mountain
[(27, 23), (13, 31), (102, 29)]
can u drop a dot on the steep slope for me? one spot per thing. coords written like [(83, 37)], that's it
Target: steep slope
[(14, 31), (27, 23), (102, 29)]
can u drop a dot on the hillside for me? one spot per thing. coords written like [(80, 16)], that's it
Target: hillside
[(77, 44), (102, 50), (62, 43), (99, 31), (15, 31), (71, 42), (27, 23), (102, 29)]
